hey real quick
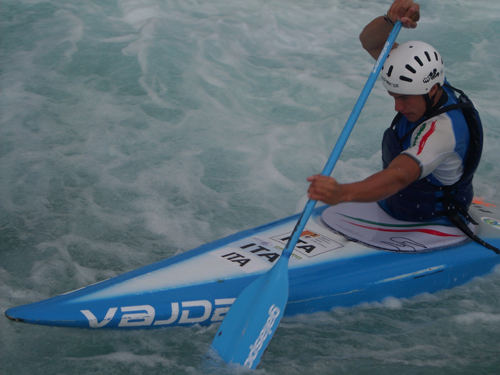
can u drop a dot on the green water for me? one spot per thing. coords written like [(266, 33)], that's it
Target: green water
[(132, 130)]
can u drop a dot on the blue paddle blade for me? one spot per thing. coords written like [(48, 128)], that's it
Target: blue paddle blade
[(245, 333)]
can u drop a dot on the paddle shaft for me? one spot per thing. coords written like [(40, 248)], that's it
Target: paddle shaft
[(346, 132), (252, 320)]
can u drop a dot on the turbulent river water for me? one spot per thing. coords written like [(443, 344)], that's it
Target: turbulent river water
[(132, 130)]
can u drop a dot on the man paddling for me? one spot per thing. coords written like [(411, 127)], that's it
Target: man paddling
[(434, 144)]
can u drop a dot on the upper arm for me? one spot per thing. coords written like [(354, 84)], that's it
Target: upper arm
[(404, 170)]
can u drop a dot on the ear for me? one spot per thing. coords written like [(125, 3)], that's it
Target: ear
[(434, 90)]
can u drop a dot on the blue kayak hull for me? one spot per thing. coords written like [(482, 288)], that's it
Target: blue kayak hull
[(326, 271)]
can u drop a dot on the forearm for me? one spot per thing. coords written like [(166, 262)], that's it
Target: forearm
[(375, 188), (374, 36), (402, 171)]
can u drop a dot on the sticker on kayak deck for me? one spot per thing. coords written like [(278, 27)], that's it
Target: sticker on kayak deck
[(310, 243), (372, 226), (490, 221), (250, 255)]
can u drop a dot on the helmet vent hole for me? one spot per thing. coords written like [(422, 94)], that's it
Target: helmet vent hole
[(436, 56), (410, 68), (406, 79), (428, 56), (417, 59), (389, 72)]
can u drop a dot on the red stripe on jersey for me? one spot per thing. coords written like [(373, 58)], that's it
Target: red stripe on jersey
[(426, 137)]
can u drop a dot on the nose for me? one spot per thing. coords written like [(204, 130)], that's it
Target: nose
[(398, 105)]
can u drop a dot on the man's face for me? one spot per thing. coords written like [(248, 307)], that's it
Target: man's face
[(411, 106)]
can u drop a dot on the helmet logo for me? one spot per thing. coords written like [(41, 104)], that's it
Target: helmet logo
[(432, 75), (389, 83)]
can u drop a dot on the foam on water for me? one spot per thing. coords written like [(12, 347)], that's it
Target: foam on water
[(132, 130)]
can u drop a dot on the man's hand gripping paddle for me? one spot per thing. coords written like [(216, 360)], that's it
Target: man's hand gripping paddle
[(250, 323)]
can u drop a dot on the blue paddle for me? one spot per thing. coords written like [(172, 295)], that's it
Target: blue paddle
[(250, 323)]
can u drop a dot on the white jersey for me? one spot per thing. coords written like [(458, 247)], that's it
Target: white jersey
[(438, 149)]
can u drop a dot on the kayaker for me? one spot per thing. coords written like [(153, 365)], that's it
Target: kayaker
[(434, 144)]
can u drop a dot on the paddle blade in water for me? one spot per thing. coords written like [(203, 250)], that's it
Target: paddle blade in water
[(252, 320)]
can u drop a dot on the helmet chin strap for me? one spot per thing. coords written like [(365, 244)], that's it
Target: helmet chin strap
[(429, 101)]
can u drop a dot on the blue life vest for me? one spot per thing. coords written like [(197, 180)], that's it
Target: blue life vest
[(425, 200)]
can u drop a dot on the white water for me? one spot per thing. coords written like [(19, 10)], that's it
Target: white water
[(131, 130)]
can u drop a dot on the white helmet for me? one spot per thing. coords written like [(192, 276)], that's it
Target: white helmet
[(412, 68)]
